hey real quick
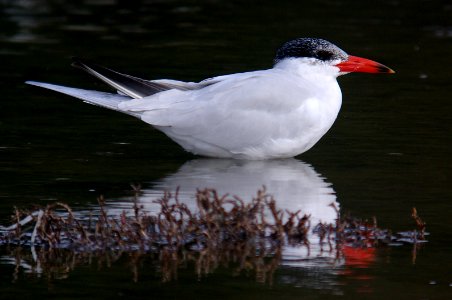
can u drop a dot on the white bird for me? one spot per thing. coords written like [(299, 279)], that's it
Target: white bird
[(275, 113)]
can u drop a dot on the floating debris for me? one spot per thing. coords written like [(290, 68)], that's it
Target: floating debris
[(223, 231)]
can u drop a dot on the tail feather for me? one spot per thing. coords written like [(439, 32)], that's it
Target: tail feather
[(103, 99)]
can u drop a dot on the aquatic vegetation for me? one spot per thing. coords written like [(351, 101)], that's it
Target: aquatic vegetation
[(222, 231)]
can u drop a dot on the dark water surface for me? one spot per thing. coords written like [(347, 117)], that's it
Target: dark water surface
[(388, 151)]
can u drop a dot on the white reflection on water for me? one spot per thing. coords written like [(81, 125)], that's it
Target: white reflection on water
[(294, 185)]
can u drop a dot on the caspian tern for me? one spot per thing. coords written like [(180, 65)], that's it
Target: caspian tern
[(275, 113)]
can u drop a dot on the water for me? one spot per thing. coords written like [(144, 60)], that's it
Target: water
[(388, 151)]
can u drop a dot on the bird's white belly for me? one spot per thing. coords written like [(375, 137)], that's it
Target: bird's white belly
[(303, 130), (277, 136)]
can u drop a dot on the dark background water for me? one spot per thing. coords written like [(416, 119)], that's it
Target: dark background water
[(388, 151)]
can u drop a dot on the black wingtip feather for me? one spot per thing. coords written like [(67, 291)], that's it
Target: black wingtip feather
[(77, 62), (133, 86)]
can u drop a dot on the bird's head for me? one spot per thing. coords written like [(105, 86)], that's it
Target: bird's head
[(323, 53)]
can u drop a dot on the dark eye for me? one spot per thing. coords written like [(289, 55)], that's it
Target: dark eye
[(324, 55)]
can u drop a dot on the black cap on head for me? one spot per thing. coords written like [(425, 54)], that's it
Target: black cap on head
[(310, 47)]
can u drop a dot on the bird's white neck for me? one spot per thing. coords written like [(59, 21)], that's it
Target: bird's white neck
[(307, 67)]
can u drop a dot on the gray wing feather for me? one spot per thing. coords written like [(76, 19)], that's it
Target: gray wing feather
[(129, 85), (133, 86)]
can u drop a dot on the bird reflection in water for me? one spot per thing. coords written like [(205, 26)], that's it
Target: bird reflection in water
[(294, 186)]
